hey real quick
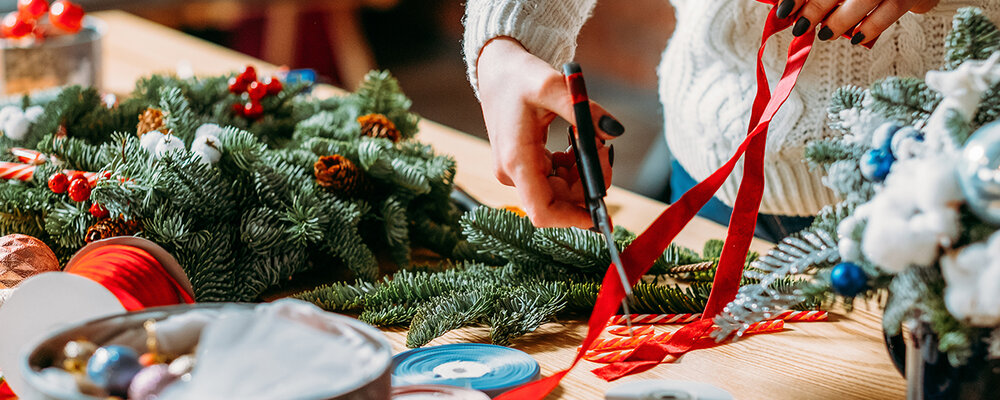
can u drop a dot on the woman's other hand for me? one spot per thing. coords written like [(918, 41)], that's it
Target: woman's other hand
[(521, 95), (862, 20)]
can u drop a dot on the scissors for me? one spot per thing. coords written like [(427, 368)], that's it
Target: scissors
[(588, 164)]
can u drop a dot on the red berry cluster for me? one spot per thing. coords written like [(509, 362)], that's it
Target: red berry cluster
[(246, 82), (27, 20), (78, 188)]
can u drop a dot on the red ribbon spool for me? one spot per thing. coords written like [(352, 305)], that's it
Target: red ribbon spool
[(133, 275)]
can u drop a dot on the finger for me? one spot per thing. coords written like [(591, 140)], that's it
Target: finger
[(879, 20), (555, 97), (845, 17), (787, 8), (538, 198), (813, 12), (924, 6)]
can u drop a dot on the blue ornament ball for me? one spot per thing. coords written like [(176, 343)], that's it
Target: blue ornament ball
[(848, 279), (113, 367), (979, 173), (876, 163), (883, 135)]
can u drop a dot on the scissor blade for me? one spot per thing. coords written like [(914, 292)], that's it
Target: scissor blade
[(604, 225)]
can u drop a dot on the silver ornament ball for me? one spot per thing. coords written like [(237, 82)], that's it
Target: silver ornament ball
[(979, 173)]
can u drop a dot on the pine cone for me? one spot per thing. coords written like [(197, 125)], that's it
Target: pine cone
[(339, 174), (111, 227), (150, 120), (378, 126)]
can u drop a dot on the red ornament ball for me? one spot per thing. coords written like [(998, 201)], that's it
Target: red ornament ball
[(58, 182), (77, 176), (253, 110), (237, 109), (274, 85), (79, 190), (66, 15), (256, 90), (236, 85), (32, 9), (98, 211), (13, 26), (248, 75)]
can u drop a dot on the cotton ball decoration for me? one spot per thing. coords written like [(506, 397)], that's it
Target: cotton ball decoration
[(972, 274), (167, 144), (33, 113), (16, 127), (208, 130), (914, 215), (9, 112), (22, 256), (150, 139), (979, 172), (207, 147), (907, 143)]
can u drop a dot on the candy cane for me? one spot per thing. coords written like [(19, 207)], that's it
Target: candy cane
[(618, 343), (654, 319), (667, 319), (24, 172), (612, 352), (636, 330), (28, 156)]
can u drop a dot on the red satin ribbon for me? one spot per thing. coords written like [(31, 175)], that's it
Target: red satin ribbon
[(640, 255), (134, 276)]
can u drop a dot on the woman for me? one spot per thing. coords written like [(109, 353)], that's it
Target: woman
[(707, 85)]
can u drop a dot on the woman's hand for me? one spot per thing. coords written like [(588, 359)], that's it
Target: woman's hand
[(864, 20), (521, 95)]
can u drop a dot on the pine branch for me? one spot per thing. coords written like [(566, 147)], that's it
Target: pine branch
[(903, 99), (448, 312), (524, 309), (973, 37)]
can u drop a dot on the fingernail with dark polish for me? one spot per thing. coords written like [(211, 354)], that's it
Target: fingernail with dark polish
[(801, 26), (825, 34), (858, 38), (785, 9), (611, 155), (611, 126)]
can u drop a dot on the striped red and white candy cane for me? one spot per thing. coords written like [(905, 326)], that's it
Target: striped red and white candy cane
[(803, 316), (668, 319), (28, 156), (655, 319), (636, 330), (24, 172), (611, 354), (618, 343)]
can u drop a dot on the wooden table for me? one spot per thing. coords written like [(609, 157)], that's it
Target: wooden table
[(841, 359)]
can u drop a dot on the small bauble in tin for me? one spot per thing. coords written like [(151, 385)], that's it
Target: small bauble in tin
[(182, 365), (876, 164), (979, 173), (149, 382), (113, 367), (75, 355), (848, 279)]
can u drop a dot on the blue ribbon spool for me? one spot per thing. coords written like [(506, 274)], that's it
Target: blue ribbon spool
[(488, 368)]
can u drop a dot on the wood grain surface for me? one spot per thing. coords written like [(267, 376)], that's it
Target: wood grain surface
[(840, 359)]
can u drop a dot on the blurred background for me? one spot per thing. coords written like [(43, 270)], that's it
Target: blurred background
[(419, 41)]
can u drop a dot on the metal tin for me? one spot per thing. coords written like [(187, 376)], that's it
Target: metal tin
[(47, 350), (27, 65)]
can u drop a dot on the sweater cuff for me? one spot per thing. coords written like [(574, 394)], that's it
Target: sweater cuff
[(546, 28)]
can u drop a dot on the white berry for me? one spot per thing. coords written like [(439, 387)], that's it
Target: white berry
[(208, 148), (9, 112), (17, 127), (150, 139), (167, 144), (33, 113), (208, 129)]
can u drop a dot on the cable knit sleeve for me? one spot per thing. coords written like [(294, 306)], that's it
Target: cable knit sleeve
[(547, 28)]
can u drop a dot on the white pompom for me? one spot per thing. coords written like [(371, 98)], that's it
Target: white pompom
[(9, 112), (150, 139), (849, 249), (208, 130), (208, 148), (17, 127), (167, 144), (33, 113)]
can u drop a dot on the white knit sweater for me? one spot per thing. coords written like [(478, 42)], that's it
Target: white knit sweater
[(707, 80)]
